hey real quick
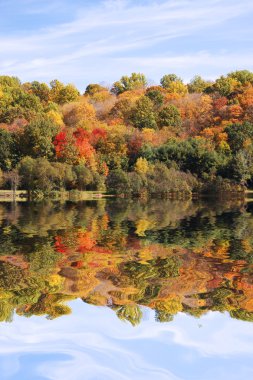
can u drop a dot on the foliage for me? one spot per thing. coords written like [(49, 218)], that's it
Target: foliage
[(200, 134), (134, 82), (172, 256), (143, 115), (169, 116)]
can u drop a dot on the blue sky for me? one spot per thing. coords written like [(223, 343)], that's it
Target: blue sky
[(99, 41), (93, 344)]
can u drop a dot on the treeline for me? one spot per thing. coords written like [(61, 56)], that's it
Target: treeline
[(132, 139)]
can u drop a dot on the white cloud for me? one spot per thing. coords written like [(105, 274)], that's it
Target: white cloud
[(119, 32), (93, 344), (80, 346)]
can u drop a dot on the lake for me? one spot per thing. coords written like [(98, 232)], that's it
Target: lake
[(119, 289)]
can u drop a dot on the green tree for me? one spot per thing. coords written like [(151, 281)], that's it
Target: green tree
[(15, 103), (198, 85), (169, 116), (239, 136), (38, 136), (62, 94), (241, 167), (143, 115), (7, 150), (167, 79), (242, 76), (41, 90), (130, 313), (117, 182), (7, 81), (84, 177), (156, 95), (94, 88), (225, 85), (135, 82), (39, 175), (173, 84)]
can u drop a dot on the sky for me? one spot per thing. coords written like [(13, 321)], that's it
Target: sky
[(98, 41), (93, 344)]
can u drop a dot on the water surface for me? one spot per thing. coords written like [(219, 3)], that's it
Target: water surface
[(126, 290)]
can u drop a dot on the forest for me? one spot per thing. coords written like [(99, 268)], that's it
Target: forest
[(132, 139)]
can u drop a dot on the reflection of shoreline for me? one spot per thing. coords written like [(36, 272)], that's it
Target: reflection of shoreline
[(190, 257)]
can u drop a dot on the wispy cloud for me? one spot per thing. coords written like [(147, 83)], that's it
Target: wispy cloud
[(80, 346), (119, 32)]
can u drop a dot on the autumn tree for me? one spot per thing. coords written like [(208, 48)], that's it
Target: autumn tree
[(173, 84), (134, 82), (225, 86), (242, 76), (198, 85), (93, 89), (41, 90), (74, 147), (79, 114), (61, 93)]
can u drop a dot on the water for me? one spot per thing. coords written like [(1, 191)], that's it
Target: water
[(126, 290)]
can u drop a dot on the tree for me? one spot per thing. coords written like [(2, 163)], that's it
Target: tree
[(242, 76), (241, 167), (92, 89), (225, 85), (130, 313), (65, 147), (113, 151), (134, 82), (117, 182), (173, 84), (7, 81), (198, 85), (27, 171), (1, 178), (38, 136), (62, 94), (73, 147), (13, 178), (141, 165), (190, 155), (143, 115), (79, 114), (156, 94), (84, 177), (169, 116), (40, 175), (239, 135), (7, 150), (167, 79), (163, 316), (65, 178), (41, 90), (15, 103), (196, 112)]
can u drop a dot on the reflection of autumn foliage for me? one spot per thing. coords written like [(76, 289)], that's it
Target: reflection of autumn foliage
[(125, 261)]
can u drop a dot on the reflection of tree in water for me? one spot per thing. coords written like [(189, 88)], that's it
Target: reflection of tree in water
[(171, 257), (130, 313)]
